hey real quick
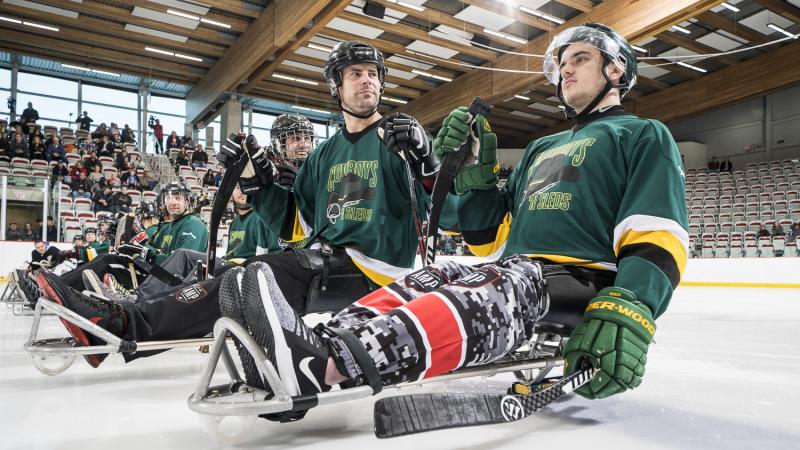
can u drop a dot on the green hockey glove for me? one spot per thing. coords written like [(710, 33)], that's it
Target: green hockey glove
[(614, 336), (481, 169)]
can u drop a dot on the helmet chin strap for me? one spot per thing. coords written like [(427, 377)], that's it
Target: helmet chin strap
[(360, 116)]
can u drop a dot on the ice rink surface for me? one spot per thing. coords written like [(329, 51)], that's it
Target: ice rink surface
[(724, 374)]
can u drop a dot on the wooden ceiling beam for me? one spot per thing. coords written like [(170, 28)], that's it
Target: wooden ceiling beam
[(123, 15), (237, 25), (393, 48), (512, 12), (98, 41), (718, 22), (418, 34), (634, 19), (91, 53), (268, 67), (672, 38), (118, 67), (274, 28), (518, 105), (238, 7), (785, 9), (778, 69), (115, 30), (580, 5)]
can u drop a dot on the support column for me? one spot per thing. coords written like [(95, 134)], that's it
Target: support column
[(144, 92), (231, 117), (14, 76)]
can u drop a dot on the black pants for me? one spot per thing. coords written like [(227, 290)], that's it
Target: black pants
[(190, 311), (159, 145), (103, 264), (182, 264)]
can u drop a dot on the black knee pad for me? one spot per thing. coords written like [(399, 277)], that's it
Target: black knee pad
[(571, 288)]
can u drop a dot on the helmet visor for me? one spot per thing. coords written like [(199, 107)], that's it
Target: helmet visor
[(584, 35)]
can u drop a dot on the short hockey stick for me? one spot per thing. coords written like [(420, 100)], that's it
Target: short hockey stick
[(418, 413), (444, 180)]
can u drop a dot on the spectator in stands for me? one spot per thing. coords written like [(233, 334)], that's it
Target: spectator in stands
[(13, 232), (116, 139), (187, 142), (139, 163), (4, 143), (114, 131), (84, 121), (92, 161), (99, 132), (218, 176), (28, 233), (30, 115), (78, 169), (127, 135), (129, 178), (158, 132), (777, 230), (37, 132), (105, 147), (713, 165), (19, 149), (794, 233), (763, 232), (726, 165), (122, 160), (182, 159), (113, 180), (199, 158), (44, 256), (123, 201), (56, 151), (145, 183), (81, 187), (96, 174), (208, 179), (51, 229), (173, 141), (37, 149), (104, 200), (60, 171)]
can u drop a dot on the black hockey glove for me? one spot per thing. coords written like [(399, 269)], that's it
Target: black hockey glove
[(286, 175), (259, 172), (132, 251), (402, 134), (231, 150)]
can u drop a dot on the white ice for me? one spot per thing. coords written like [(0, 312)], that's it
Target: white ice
[(723, 374)]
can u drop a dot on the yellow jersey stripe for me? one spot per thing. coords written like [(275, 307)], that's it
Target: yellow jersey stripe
[(663, 239)]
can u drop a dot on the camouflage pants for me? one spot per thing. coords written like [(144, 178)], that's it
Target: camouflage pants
[(448, 315)]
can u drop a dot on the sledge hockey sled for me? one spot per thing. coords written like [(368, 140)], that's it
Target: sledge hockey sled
[(239, 405), (53, 356)]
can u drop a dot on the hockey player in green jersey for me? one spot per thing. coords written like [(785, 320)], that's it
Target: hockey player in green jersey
[(185, 230), (247, 235), (350, 193), (590, 231)]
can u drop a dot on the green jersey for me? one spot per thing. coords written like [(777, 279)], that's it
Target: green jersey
[(94, 249), (353, 192), (188, 232), (151, 231), (248, 236), (608, 194)]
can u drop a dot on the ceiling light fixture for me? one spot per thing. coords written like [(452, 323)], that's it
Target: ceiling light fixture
[(544, 16), (321, 48), (729, 6), (639, 49), (783, 31), (191, 58), (505, 36), (430, 75), (522, 97), (393, 99), (681, 29), (407, 5), (9, 19), (182, 14), (38, 25), (106, 73), (322, 111), (156, 50), (214, 22), (70, 66), (177, 55), (689, 66), (295, 79)]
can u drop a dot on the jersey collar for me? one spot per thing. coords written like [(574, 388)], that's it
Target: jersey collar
[(614, 110)]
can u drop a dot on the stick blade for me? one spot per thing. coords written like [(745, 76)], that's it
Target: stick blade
[(410, 414)]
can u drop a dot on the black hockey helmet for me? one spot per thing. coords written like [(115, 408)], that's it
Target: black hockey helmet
[(176, 188), (287, 125), (614, 48), (146, 210), (347, 53), (88, 230)]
